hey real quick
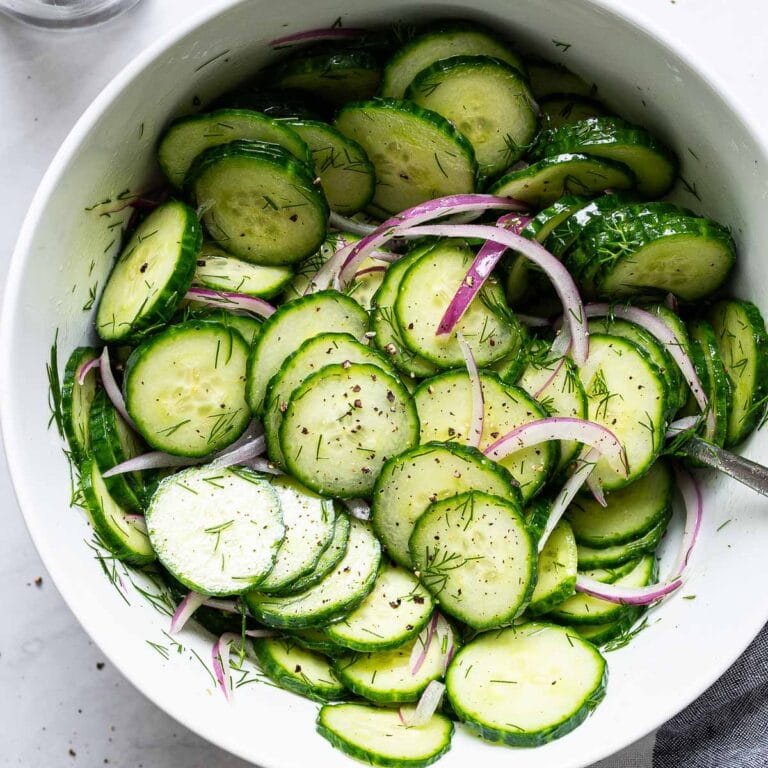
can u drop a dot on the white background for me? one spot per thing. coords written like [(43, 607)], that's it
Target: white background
[(56, 694)]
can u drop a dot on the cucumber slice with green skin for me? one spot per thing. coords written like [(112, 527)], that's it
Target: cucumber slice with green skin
[(309, 524), (526, 685), (275, 103), (709, 366), (342, 424), (346, 175), (379, 737), (556, 386), (556, 570), (77, 401), (546, 180), (548, 78), (537, 515), (448, 41), (112, 443), (188, 137), (185, 388), (293, 323), (509, 367), (339, 593), (600, 634), (743, 345), (393, 613), (247, 326), (217, 270), (647, 343), (626, 394), (332, 74), (584, 609), (259, 202), (125, 537), (409, 483), (629, 512), (444, 405), (487, 100), (677, 326), (559, 109), (296, 669), (365, 286), (426, 290), (612, 575), (314, 354), (217, 530), (151, 275), (329, 559), (417, 154), (386, 677), (474, 553), (610, 557), (654, 165), (389, 336), (315, 639)]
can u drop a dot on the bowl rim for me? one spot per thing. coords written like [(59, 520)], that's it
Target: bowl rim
[(631, 15)]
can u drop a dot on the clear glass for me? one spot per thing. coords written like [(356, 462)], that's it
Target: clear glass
[(63, 14)]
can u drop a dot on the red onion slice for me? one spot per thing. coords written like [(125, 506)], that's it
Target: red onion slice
[(328, 274), (317, 35), (427, 706), (261, 464), (184, 610), (369, 271), (230, 300), (358, 508), (86, 368), (220, 659), (421, 646), (682, 425), (596, 490), (111, 388), (478, 405), (243, 453), (337, 221), (227, 606)]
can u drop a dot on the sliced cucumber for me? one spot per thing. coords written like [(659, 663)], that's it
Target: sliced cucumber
[(548, 78), (612, 575), (654, 165), (387, 677), (112, 443), (584, 609), (315, 639), (346, 175), (611, 557), (544, 181), (444, 405), (627, 394), (151, 275), (426, 290), (473, 552), (677, 326), (393, 613), (366, 284), (188, 137), (526, 685), (380, 737), (217, 530), (629, 512), (311, 356), (556, 571), (566, 108), (417, 154), (309, 525), (389, 336), (488, 100), (248, 326), (292, 324), (409, 483), (259, 202), (743, 345), (276, 103), (185, 388), (217, 270), (449, 40), (537, 516), (600, 634), (297, 669), (340, 592), (123, 535), (76, 402), (306, 271)]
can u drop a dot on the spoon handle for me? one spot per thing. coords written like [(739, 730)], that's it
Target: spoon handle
[(745, 471)]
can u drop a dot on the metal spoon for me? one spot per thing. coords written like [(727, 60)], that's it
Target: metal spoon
[(745, 471)]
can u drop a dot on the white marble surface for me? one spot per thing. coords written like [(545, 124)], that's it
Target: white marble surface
[(59, 704)]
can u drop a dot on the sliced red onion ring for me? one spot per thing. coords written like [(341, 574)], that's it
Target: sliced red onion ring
[(626, 595), (227, 606), (557, 273), (427, 706), (661, 331), (479, 271), (86, 368), (261, 464), (478, 405), (316, 35), (427, 211), (358, 508), (151, 460), (444, 636), (328, 274), (230, 300), (596, 490), (111, 388), (559, 428), (421, 646), (670, 301), (184, 610), (243, 453), (337, 221), (369, 271), (552, 376), (682, 425), (220, 659)]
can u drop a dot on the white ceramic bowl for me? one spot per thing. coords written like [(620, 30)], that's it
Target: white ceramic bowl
[(690, 643)]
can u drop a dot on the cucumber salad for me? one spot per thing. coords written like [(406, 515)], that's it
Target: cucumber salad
[(394, 380)]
